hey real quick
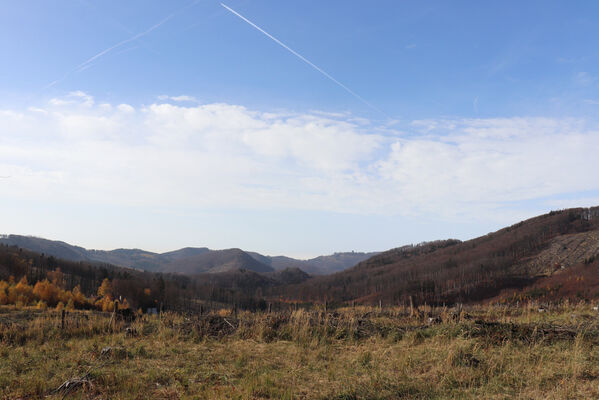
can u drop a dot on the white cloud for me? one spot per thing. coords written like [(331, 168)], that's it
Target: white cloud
[(126, 108), (231, 156), (39, 110), (76, 97), (475, 163), (60, 102), (85, 98), (181, 98)]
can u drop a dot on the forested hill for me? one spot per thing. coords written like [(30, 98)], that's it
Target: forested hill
[(141, 289), (188, 260), (450, 271), (17, 263), (552, 256), (321, 265)]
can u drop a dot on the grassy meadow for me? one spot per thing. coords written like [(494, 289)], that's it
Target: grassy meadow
[(489, 352)]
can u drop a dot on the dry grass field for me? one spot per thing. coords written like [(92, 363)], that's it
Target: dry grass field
[(489, 352)]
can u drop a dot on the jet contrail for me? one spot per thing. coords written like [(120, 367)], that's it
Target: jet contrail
[(119, 44), (304, 59), (86, 63)]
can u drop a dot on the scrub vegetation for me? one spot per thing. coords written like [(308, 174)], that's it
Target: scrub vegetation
[(491, 351)]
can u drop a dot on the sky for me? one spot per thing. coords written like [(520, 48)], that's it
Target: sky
[(296, 128)]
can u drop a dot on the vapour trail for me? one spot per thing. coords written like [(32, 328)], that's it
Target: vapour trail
[(86, 63), (119, 44), (114, 21), (304, 59)]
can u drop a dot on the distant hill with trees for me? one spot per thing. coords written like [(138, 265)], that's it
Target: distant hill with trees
[(189, 260), (511, 260), (547, 258)]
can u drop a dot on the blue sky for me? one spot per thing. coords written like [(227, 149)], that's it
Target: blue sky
[(166, 124)]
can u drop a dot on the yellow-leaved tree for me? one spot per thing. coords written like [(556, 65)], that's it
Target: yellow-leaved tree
[(105, 302), (21, 293)]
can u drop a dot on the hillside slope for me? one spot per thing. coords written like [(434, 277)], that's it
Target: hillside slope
[(453, 271), (54, 248)]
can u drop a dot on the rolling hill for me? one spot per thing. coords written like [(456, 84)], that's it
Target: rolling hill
[(215, 261), (322, 265), (548, 257), (189, 260), (511, 260)]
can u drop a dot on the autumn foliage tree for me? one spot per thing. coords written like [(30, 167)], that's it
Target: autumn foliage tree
[(21, 293), (51, 293), (105, 301)]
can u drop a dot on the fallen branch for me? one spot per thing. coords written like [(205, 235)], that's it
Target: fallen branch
[(72, 384), (230, 324)]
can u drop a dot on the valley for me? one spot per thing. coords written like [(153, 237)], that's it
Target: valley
[(509, 314)]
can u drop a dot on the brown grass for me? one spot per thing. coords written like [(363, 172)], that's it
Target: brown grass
[(491, 352)]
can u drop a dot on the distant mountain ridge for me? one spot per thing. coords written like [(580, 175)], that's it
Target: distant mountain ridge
[(188, 260), (322, 265)]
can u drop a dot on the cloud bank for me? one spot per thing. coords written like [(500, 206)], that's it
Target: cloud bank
[(75, 149)]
